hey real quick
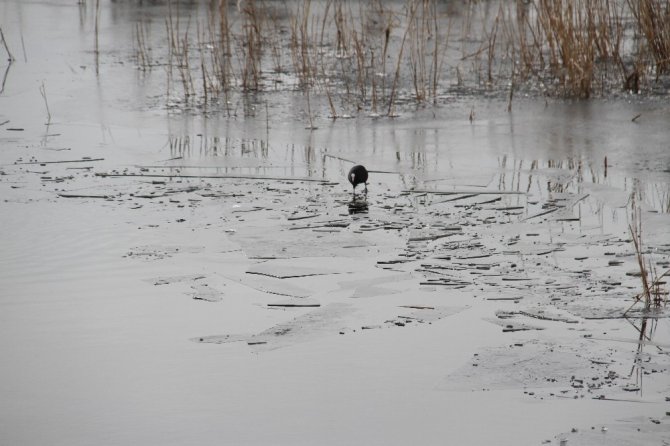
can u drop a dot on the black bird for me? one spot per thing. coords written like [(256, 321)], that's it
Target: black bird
[(357, 175)]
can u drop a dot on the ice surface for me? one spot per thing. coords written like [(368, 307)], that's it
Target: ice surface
[(176, 275)]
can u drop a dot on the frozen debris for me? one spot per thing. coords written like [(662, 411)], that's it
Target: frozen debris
[(207, 293), (295, 303), (166, 280), (221, 339), (511, 326), (204, 176), (161, 252), (42, 163), (472, 192), (298, 216), (537, 314), (432, 314), (70, 195)]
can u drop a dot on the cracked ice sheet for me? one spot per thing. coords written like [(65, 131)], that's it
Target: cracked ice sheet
[(533, 364), (613, 196), (638, 431), (611, 305), (434, 313), (655, 228), (324, 321), (293, 277), (270, 285), (313, 266), (389, 283), (270, 243), (329, 320)]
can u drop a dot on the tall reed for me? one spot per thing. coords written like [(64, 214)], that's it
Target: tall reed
[(356, 55), (652, 295), (653, 22)]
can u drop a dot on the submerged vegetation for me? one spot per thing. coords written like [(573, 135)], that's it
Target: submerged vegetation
[(375, 55)]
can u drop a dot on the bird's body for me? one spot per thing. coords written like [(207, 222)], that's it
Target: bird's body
[(358, 175)]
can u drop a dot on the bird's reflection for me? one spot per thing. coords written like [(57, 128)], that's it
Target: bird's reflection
[(358, 206)]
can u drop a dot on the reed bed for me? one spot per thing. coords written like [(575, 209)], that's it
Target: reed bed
[(350, 56)]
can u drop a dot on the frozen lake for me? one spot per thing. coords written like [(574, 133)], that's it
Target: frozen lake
[(174, 275)]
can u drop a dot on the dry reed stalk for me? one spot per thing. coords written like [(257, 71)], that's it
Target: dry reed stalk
[(387, 34), (168, 69), (582, 40), (520, 34), (276, 42), (4, 78), (43, 92), (424, 55), (96, 44), (139, 55), (511, 87), (373, 79), (185, 67), (304, 47), (179, 52), (203, 69), (411, 13), (417, 54), (466, 27), (491, 48), (575, 56), (322, 64), (172, 38), (424, 32), (299, 42), (309, 110), (352, 52), (570, 45), (652, 294), (293, 42), (224, 49), (352, 35), (653, 21), (435, 60), (251, 45), (442, 57), (4, 43), (142, 52), (359, 56)]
